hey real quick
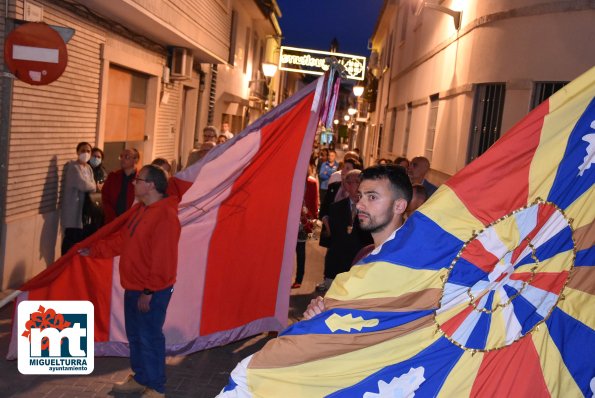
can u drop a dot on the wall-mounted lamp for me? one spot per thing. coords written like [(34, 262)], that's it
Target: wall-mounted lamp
[(456, 15), (268, 69), (336, 121), (358, 90), (351, 111), (346, 118)]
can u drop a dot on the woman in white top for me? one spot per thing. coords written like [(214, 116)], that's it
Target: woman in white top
[(78, 180)]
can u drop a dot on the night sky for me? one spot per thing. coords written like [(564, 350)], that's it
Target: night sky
[(314, 23)]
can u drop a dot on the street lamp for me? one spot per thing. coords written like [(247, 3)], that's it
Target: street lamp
[(269, 70), (456, 15), (358, 90)]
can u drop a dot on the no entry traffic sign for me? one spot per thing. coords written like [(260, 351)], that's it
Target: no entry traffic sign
[(35, 53)]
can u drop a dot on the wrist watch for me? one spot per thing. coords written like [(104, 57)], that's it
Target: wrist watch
[(148, 292)]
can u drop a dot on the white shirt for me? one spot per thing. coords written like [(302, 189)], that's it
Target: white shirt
[(335, 177)]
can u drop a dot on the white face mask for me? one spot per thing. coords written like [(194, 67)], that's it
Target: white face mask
[(95, 162), (84, 157)]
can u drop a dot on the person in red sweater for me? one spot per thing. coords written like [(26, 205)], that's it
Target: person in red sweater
[(117, 194), (148, 248)]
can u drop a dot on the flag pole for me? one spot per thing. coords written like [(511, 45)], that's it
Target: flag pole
[(9, 298)]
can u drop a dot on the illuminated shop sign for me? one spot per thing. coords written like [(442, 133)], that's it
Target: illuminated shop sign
[(314, 62)]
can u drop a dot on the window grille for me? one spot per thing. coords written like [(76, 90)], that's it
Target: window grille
[(431, 133), (407, 128), (543, 90), (487, 117), (212, 95)]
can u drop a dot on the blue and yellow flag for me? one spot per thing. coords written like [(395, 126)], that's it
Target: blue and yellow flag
[(488, 290)]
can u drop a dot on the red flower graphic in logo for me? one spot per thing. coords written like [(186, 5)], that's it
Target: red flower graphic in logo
[(43, 319)]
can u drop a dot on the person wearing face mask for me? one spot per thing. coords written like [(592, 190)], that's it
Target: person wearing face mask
[(76, 183), (93, 209), (96, 163)]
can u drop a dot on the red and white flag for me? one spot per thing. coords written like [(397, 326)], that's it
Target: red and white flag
[(239, 211)]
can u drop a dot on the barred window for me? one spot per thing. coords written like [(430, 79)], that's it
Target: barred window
[(487, 118), (543, 90)]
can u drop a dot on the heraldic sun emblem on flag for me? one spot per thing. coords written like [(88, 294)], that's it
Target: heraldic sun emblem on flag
[(499, 286)]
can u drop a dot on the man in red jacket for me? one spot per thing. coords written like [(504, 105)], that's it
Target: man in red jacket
[(117, 194), (148, 248)]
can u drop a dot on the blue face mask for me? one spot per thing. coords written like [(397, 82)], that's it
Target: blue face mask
[(95, 161)]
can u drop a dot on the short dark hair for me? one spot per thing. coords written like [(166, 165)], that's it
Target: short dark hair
[(96, 149), (157, 176), (82, 144), (401, 159), (396, 175), (163, 163), (356, 165), (134, 151)]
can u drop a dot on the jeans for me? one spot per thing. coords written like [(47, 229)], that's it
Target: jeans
[(145, 337)]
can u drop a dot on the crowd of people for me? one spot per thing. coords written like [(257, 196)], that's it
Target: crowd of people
[(92, 196), (345, 227), (358, 208)]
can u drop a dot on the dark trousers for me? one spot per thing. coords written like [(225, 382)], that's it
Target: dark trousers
[(321, 194), (300, 251), (145, 337), (72, 236)]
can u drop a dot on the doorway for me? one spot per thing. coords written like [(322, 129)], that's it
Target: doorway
[(126, 114)]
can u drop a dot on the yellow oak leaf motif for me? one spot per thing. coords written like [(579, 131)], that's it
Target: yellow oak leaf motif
[(337, 322)]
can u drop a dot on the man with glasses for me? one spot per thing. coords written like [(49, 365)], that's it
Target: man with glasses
[(209, 134), (209, 141), (148, 248), (117, 194)]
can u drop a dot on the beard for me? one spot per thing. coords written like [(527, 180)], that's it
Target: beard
[(375, 224)]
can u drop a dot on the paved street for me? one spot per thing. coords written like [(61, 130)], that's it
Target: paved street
[(202, 374)]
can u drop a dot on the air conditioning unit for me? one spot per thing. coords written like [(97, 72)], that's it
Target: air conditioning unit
[(181, 64)]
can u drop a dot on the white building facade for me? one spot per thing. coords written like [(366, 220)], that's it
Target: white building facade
[(448, 90)]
